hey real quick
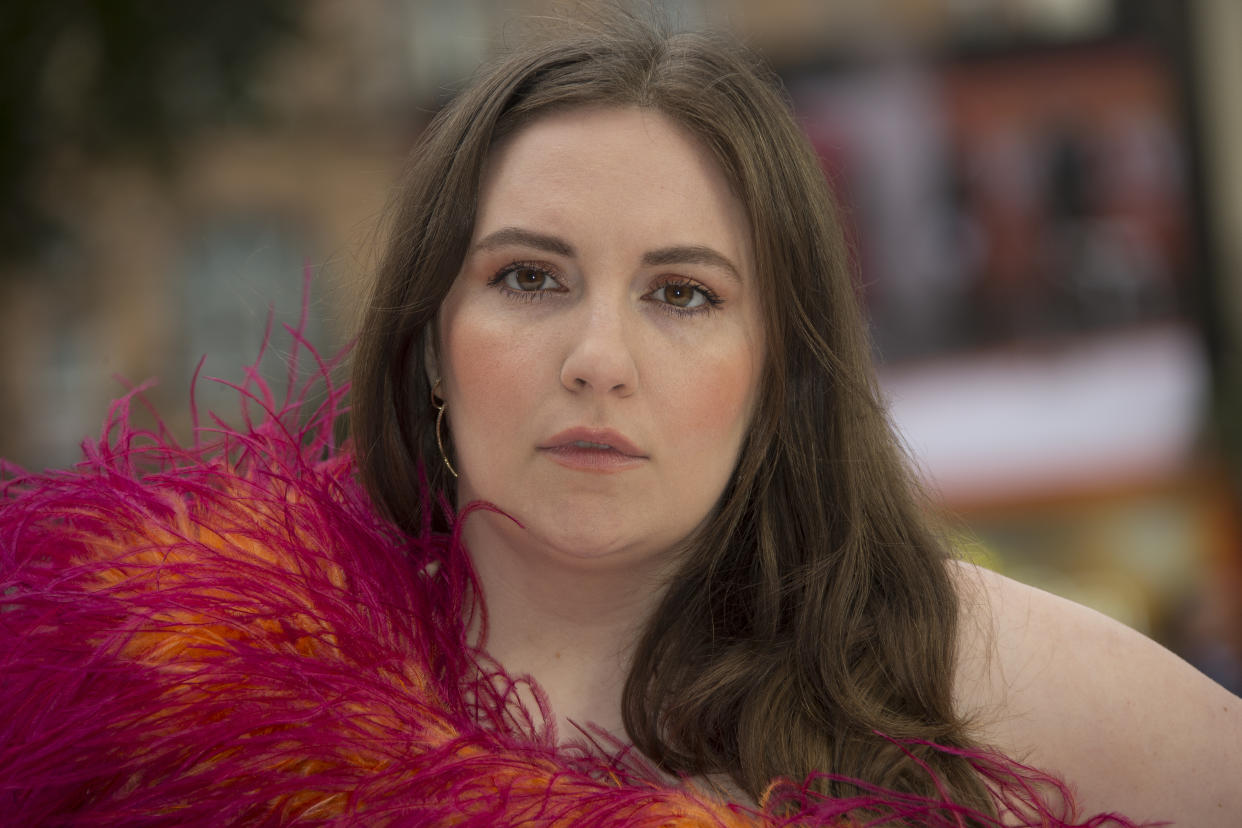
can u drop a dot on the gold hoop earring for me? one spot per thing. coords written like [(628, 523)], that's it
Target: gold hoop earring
[(438, 403)]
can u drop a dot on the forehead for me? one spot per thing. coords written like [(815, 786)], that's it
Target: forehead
[(628, 171)]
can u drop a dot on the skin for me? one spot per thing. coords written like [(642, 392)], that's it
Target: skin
[(644, 319), (569, 580), (1134, 728)]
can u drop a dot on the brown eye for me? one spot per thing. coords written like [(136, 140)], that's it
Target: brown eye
[(527, 279), (680, 295)]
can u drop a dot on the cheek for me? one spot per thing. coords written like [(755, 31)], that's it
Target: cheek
[(487, 367), (718, 396)]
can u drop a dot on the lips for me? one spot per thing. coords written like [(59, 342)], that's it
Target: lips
[(593, 449), (600, 439)]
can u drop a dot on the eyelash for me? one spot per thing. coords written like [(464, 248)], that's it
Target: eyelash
[(711, 301), (498, 281)]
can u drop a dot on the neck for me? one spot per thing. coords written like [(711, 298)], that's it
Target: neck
[(568, 623)]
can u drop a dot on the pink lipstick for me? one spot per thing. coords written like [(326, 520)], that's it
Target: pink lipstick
[(593, 449)]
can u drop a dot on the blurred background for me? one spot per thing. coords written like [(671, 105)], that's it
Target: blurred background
[(1043, 198)]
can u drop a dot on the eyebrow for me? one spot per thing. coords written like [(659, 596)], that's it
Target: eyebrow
[(674, 255), (691, 254), (526, 238)]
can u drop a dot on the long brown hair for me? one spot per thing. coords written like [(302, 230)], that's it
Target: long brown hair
[(814, 610)]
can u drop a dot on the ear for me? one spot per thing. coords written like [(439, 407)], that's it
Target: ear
[(431, 359)]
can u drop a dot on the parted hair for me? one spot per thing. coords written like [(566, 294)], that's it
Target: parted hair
[(812, 624)]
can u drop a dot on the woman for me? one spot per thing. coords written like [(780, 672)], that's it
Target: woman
[(615, 312), (617, 270)]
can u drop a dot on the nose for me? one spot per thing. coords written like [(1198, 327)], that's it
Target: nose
[(599, 358)]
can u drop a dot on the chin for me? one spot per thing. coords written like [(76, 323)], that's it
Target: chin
[(599, 543), (586, 527), (588, 543)]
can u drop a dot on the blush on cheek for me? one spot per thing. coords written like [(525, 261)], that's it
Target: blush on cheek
[(488, 369), (476, 361), (471, 346), (720, 404)]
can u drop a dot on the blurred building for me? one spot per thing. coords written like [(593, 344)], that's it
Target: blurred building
[(1045, 201)]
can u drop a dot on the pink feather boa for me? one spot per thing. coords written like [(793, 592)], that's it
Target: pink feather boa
[(228, 633)]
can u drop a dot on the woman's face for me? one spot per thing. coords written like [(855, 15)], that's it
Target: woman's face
[(601, 347)]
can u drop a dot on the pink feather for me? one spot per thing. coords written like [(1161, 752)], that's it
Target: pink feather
[(228, 633)]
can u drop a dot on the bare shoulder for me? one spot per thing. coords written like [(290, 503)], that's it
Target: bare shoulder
[(1132, 727)]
